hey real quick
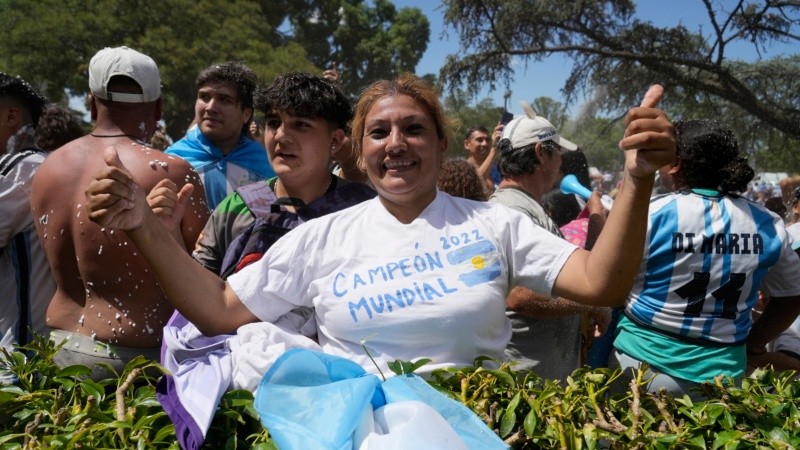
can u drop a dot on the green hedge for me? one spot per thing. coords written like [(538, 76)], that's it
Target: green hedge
[(57, 408)]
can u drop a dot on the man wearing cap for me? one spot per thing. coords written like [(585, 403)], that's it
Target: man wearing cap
[(219, 147), (26, 284), (546, 332), (108, 306)]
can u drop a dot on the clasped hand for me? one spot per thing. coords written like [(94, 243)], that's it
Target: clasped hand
[(113, 198), (649, 139)]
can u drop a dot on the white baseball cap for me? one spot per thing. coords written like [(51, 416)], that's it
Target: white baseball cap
[(127, 62), (530, 129)]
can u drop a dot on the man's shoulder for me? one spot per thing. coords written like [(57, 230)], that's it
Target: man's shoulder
[(510, 196), (521, 201)]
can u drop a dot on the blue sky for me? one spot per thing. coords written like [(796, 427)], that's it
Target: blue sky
[(546, 78)]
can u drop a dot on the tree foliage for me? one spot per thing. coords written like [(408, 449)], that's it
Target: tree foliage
[(465, 116), (54, 408), (618, 54), (365, 42), (50, 43)]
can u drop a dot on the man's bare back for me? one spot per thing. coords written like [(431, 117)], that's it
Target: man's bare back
[(104, 287)]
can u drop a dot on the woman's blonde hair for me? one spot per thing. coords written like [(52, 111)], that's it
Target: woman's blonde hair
[(409, 85)]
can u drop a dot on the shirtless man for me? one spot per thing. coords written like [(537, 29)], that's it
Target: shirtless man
[(108, 306)]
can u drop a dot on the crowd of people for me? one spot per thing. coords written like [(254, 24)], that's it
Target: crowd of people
[(349, 231)]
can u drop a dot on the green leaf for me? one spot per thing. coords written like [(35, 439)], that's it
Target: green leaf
[(697, 441), (10, 438), (530, 422), (503, 377), (395, 367), (714, 411), (407, 367), (265, 446), (165, 434), (727, 420), (777, 410), (725, 438), (667, 440), (89, 387), (478, 362), (509, 420), (778, 435), (419, 363), (589, 435), (74, 371)]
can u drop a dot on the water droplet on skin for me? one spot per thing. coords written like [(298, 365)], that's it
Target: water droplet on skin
[(80, 321), (118, 316), (152, 164), (43, 220), (93, 335)]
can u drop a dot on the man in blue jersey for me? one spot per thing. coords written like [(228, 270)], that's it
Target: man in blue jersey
[(26, 284), (219, 147), (708, 253)]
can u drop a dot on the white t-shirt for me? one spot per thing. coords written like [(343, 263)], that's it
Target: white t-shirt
[(434, 288)]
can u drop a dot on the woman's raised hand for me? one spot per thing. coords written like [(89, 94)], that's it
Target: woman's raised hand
[(649, 139)]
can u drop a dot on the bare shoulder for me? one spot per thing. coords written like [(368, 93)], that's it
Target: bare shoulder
[(149, 166), (66, 158)]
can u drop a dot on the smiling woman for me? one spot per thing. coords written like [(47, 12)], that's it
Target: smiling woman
[(480, 249), (414, 273)]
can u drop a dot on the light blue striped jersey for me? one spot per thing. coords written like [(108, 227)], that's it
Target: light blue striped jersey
[(706, 255)]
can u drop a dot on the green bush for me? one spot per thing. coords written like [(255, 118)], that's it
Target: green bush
[(58, 408)]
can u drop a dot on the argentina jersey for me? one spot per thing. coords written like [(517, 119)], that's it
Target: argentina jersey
[(704, 259)]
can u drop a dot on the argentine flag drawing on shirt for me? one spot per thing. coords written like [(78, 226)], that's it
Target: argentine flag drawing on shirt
[(478, 262)]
